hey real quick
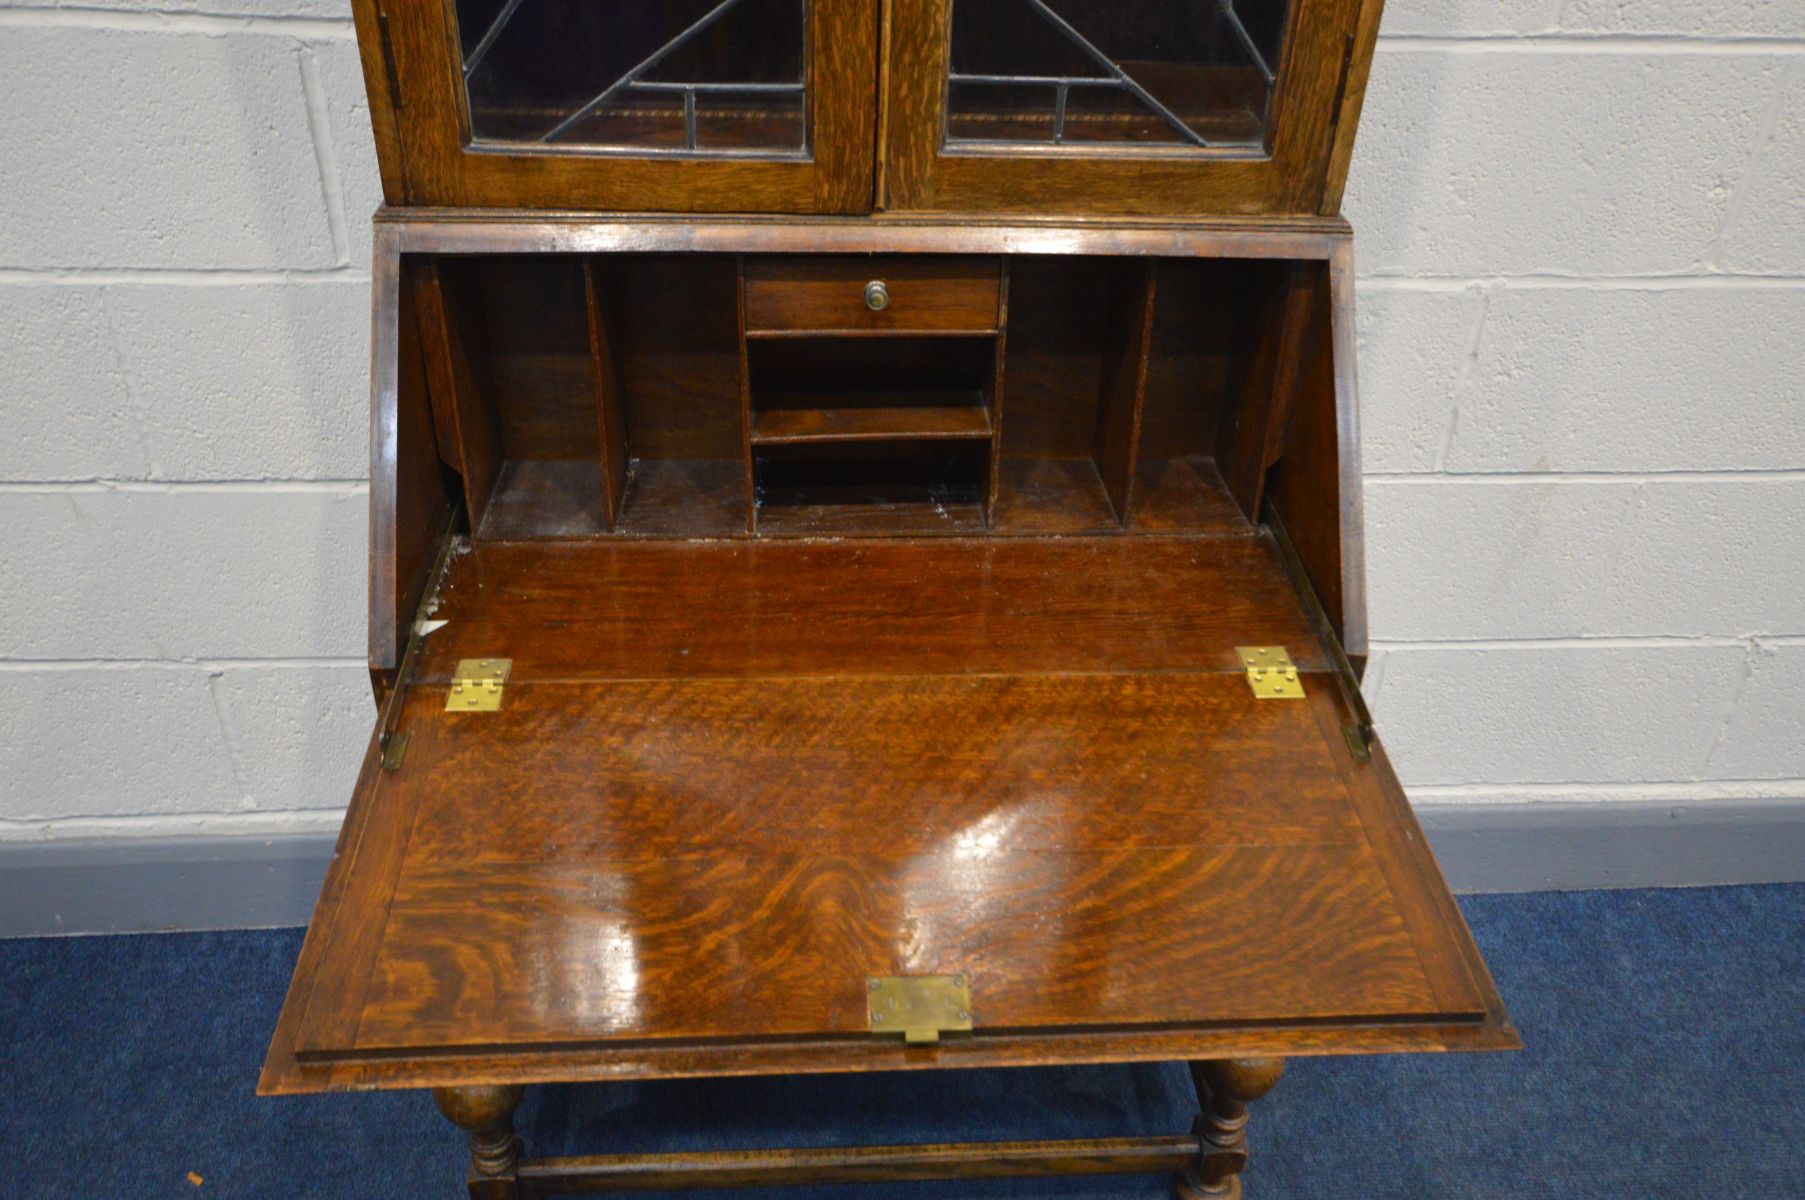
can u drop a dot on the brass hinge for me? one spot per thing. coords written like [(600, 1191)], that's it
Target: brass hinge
[(920, 1007), (477, 684), (1270, 672)]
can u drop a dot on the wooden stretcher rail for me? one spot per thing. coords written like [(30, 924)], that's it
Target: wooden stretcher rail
[(858, 1164)]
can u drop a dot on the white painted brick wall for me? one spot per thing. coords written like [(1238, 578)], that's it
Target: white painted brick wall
[(1582, 339)]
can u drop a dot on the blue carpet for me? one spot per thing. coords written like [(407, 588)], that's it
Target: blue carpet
[(1666, 1057)]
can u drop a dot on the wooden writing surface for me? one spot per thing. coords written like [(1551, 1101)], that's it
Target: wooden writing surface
[(682, 837)]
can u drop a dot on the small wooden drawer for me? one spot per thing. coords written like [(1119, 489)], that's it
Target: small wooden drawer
[(877, 294)]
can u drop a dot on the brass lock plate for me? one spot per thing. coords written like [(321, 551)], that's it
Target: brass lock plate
[(477, 684), (920, 1007), (1270, 672)]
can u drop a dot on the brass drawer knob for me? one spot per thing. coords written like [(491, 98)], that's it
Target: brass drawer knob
[(877, 296)]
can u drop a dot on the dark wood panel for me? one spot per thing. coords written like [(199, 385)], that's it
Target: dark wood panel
[(921, 173), (942, 606), (1205, 321), (560, 498), (677, 331), (828, 294), (786, 424), (835, 177), (684, 498), (1315, 486), (541, 367), (571, 942), (1051, 496), (1177, 495), (410, 520), (875, 767), (1057, 322), (456, 362), (735, 947), (1253, 421), (876, 519), (1124, 383), (867, 1164), (611, 413)]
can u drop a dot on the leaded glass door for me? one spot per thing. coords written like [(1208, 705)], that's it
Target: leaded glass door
[(1159, 106), (650, 105)]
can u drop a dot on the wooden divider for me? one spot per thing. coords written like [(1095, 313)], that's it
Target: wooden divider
[(611, 416), (1125, 383), (451, 343)]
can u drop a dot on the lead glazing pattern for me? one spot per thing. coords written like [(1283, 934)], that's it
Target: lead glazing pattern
[(1193, 73), (687, 77)]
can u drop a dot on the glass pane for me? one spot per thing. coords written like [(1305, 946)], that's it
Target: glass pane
[(1138, 72), (673, 76)]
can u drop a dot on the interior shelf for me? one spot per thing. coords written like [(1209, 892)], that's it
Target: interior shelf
[(914, 416), (883, 487)]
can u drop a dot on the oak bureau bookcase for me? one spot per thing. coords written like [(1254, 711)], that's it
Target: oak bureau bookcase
[(866, 573)]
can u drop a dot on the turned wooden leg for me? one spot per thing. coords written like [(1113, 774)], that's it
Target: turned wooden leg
[(1226, 1087), (488, 1113)]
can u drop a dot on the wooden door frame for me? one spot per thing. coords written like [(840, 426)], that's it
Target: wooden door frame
[(1321, 81), (412, 74)]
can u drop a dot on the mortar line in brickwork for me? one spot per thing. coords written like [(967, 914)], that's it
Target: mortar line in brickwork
[(1546, 281), (178, 276), (347, 488), (1703, 790), (204, 666), (1651, 44), (1675, 476), (203, 24), (1652, 641)]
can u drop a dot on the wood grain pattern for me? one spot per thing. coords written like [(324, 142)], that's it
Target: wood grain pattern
[(411, 500), (611, 413), (926, 295), (676, 333), (732, 926), (731, 779), (632, 610), (801, 426), (973, 898), (1316, 487), (921, 173), (1353, 97), (1254, 420), (456, 361), (836, 178), (670, 769), (547, 498), (382, 94), (537, 356), (861, 1164), (1118, 437)]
